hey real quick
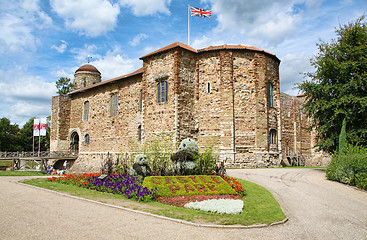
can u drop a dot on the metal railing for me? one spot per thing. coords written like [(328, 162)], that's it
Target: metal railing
[(42, 154)]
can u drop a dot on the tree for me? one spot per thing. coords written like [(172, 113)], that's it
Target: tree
[(8, 132), (337, 90), (25, 137), (64, 85)]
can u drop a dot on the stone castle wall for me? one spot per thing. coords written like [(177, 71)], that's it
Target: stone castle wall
[(219, 98)]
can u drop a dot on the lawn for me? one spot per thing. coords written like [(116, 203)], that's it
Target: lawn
[(260, 207), (21, 173)]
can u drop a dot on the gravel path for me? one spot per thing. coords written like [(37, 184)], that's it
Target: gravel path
[(317, 209)]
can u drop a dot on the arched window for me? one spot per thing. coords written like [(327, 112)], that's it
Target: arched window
[(162, 92), (86, 111), (139, 133), (273, 136), (74, 142), (269, 94), (86, 138), (113, 107)]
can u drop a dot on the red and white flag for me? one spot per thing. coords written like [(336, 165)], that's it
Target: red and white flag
[(200, 12), (43, 127), (36, 127)]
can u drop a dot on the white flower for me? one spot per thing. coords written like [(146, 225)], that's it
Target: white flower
[(228, 206)]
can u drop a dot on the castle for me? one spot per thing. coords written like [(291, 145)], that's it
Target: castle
[(227, 96)]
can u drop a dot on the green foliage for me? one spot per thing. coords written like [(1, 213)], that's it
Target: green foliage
[(8, 136), (64, 85), (344, 167), (158, 150), (188, 185), (343, 138), (338, 88), (206, 162), (359, 180)]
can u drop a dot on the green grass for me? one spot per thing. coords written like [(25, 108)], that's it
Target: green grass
[(259, 205), (21, 173), (5, 163)]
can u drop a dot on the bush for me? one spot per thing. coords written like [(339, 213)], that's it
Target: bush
[(206, 163), (360, 180), (344, 167)]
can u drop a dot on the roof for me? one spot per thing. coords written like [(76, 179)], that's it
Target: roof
[(137, 72), (169, 47), (210, 48), (88, 67), (238, 46)]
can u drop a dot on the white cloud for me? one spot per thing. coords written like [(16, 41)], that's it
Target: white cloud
[(147, 7), (23, 95), (291, 70), (269, 21), (136, 40), (88, 17), (115, 63), (61, 48), (18, 20)]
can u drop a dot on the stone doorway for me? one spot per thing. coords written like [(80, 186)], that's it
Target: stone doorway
[(74, 142)]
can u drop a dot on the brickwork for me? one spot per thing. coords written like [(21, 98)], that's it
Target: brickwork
[(217, 95)]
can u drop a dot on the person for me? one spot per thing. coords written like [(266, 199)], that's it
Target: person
[(65, 164), (49, 169)]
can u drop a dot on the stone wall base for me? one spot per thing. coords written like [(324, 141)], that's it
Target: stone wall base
[(94, 161)]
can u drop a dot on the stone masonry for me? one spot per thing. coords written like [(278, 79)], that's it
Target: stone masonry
[(225, 96)]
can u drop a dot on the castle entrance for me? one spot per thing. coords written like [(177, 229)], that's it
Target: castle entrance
[(74, 143)]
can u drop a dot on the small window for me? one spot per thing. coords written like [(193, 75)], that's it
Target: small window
[(269, 94), (86, 138), (139, 133), (113, 107), (141, 100), (273, 136), (162, 92), (86, 111), (209, 87)]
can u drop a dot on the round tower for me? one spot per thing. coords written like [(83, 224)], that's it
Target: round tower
[(85, 76)]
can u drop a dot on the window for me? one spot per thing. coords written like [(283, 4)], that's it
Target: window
[(86, 111), (269, 94), (113, 107), (141, 100), (273, 136), (209, 87), (162, 92), (86, 138), (139, 133)]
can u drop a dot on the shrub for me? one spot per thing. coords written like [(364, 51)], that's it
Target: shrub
[(206, 163), (359, 180), (343, 167)]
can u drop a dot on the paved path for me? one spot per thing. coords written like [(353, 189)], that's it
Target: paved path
[(317, 209)]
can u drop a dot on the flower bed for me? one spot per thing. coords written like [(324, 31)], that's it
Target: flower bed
[(122, 184), (188, 185), (180, 201), (228, 206)]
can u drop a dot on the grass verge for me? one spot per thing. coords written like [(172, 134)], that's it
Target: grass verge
[(21, 173), (260, 207)]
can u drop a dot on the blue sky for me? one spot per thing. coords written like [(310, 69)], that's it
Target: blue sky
[(43, 40)]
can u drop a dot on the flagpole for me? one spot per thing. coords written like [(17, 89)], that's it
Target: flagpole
[(188, 25)]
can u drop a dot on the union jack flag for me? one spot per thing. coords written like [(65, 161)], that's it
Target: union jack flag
[(201, 12)]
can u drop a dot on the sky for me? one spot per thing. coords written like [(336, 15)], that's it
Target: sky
[(43, 40)]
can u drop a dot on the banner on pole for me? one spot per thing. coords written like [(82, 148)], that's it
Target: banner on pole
[(36, 127), (43, 127)]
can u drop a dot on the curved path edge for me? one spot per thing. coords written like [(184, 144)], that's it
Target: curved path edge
[(159, 216)]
